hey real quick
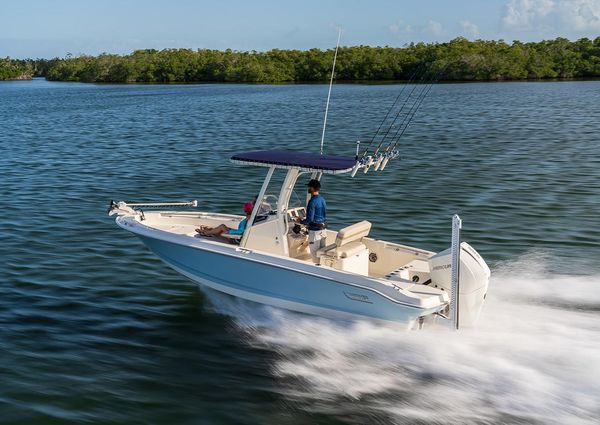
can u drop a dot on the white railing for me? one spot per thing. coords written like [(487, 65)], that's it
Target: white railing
[(124, 208), (162, 204)]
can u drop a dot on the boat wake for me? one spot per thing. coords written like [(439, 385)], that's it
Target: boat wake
[(533, 357)]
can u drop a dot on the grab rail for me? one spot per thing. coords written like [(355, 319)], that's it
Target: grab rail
[(124, 208), (163, 204)]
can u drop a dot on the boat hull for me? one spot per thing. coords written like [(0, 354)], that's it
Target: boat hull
[(243, 274)]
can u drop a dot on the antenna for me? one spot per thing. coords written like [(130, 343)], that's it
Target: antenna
[(330, 84)]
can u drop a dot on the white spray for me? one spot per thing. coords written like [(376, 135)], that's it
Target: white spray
[(534, 357)]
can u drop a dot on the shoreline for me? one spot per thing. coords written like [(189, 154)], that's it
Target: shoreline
[(324, 82)]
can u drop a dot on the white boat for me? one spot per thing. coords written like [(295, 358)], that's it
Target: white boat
[(356, 275)]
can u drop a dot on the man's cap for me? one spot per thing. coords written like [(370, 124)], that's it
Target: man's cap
[(314, 183)]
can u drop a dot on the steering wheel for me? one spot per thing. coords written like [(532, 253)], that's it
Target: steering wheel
[(266, 201)]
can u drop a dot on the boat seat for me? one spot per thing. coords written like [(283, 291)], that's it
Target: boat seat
[(348, 238), (235, 239), (345, 251), (354, 232), (224, 238), (348, 253)]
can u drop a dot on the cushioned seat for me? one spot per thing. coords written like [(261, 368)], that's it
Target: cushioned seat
[(347, 243), (349, 249), (352, 233)]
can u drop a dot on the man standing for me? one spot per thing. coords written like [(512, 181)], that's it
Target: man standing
[(316, 216)]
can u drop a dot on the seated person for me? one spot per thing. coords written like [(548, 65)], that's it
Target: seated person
[(221, 229)]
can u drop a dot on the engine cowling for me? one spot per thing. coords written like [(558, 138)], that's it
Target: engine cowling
[(473, 280)]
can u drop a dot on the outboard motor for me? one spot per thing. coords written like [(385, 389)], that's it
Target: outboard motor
[(473, 280)]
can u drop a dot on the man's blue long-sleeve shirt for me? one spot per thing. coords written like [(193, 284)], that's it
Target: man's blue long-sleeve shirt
[(316, 211)]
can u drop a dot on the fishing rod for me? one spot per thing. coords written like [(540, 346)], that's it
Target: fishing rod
[(373, 160), (376, 160), (412, 112), (411, 79), (414, 106), (408, 97), (417, 105), (380, 160)]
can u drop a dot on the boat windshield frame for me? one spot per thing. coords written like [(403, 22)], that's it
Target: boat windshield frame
[(291, 179)]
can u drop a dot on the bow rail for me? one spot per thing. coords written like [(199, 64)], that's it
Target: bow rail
[(128, 208)]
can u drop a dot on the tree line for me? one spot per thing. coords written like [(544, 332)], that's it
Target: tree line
[(461, 59), (15, 69)]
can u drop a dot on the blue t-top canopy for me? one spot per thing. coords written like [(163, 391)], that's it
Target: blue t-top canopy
[(330, 164)]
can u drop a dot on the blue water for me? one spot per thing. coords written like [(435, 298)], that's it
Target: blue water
[(94, 329)]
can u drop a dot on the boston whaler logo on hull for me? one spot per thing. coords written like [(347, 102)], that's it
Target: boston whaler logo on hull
[(357, 297), (443, 267)]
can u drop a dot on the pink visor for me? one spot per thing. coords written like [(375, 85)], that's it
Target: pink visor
[(248, 207)]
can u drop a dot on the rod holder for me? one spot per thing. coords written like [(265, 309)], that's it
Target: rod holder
[(384, 163), (368, 164)]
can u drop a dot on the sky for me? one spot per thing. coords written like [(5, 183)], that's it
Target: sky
[(55, 28)]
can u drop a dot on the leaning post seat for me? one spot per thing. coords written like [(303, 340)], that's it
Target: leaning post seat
[(348, 252), (352, 233)]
